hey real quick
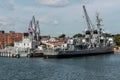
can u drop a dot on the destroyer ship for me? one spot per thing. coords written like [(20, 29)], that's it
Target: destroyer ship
[(93, 43)]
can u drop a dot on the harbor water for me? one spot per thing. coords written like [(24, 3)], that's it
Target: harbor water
[(99, 67)]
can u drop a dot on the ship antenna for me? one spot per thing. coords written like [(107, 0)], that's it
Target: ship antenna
[(98, 20)]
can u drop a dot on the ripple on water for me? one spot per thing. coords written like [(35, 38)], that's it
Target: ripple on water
[(103, 67)]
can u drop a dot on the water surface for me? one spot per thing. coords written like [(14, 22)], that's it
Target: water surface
[(100, 67)]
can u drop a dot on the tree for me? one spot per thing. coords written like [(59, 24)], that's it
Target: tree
[(117, 39), (78, 35), (62, 36), (107, 35)]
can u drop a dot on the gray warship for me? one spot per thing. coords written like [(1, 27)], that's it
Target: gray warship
[(93, 43)]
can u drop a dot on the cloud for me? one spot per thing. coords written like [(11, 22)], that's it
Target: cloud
[(7, 5), (105, 4), (4, 22), (84, 1), (48, 21), (55, 22), (54, 3)]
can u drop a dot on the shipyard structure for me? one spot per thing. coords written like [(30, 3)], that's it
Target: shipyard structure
[(20, 44), (93, 43)]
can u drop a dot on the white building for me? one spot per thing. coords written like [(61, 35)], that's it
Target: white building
[(26, 43)]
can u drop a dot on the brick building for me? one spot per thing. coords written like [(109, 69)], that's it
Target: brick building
[(8, 39)]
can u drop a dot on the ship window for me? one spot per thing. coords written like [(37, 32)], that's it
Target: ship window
[(95, 32), (101, 40), (87, 32)]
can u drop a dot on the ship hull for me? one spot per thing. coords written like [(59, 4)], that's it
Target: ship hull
[(77, 53)]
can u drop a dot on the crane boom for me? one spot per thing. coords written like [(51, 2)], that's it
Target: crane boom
[(88, 21)]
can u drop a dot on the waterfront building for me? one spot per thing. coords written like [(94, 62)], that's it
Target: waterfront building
[(53, 42), (26, 43), (8, 39)]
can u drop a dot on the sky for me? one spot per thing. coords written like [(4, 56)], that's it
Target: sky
[(58, 17)]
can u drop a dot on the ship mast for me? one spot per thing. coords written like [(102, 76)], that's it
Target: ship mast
[(98, 20)]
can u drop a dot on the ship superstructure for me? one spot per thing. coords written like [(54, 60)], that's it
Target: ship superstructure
[(94, 35)]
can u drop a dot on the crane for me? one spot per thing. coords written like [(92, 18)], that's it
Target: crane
[(88, 21), (34, 29)]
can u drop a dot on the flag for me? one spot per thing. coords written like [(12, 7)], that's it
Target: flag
[(31, 29)]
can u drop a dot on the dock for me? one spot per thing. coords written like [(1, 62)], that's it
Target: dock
[(117, 49), (6, 53), (11, 52)]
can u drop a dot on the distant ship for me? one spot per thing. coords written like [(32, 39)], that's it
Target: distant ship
[(94, 42)]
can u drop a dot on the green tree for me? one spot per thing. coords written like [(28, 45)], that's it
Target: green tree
[(117, 39), (78, 35), (107, 35), (62, 36)]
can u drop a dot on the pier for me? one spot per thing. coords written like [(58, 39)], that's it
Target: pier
[(11, 52), (6, 53), (117, 49)]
